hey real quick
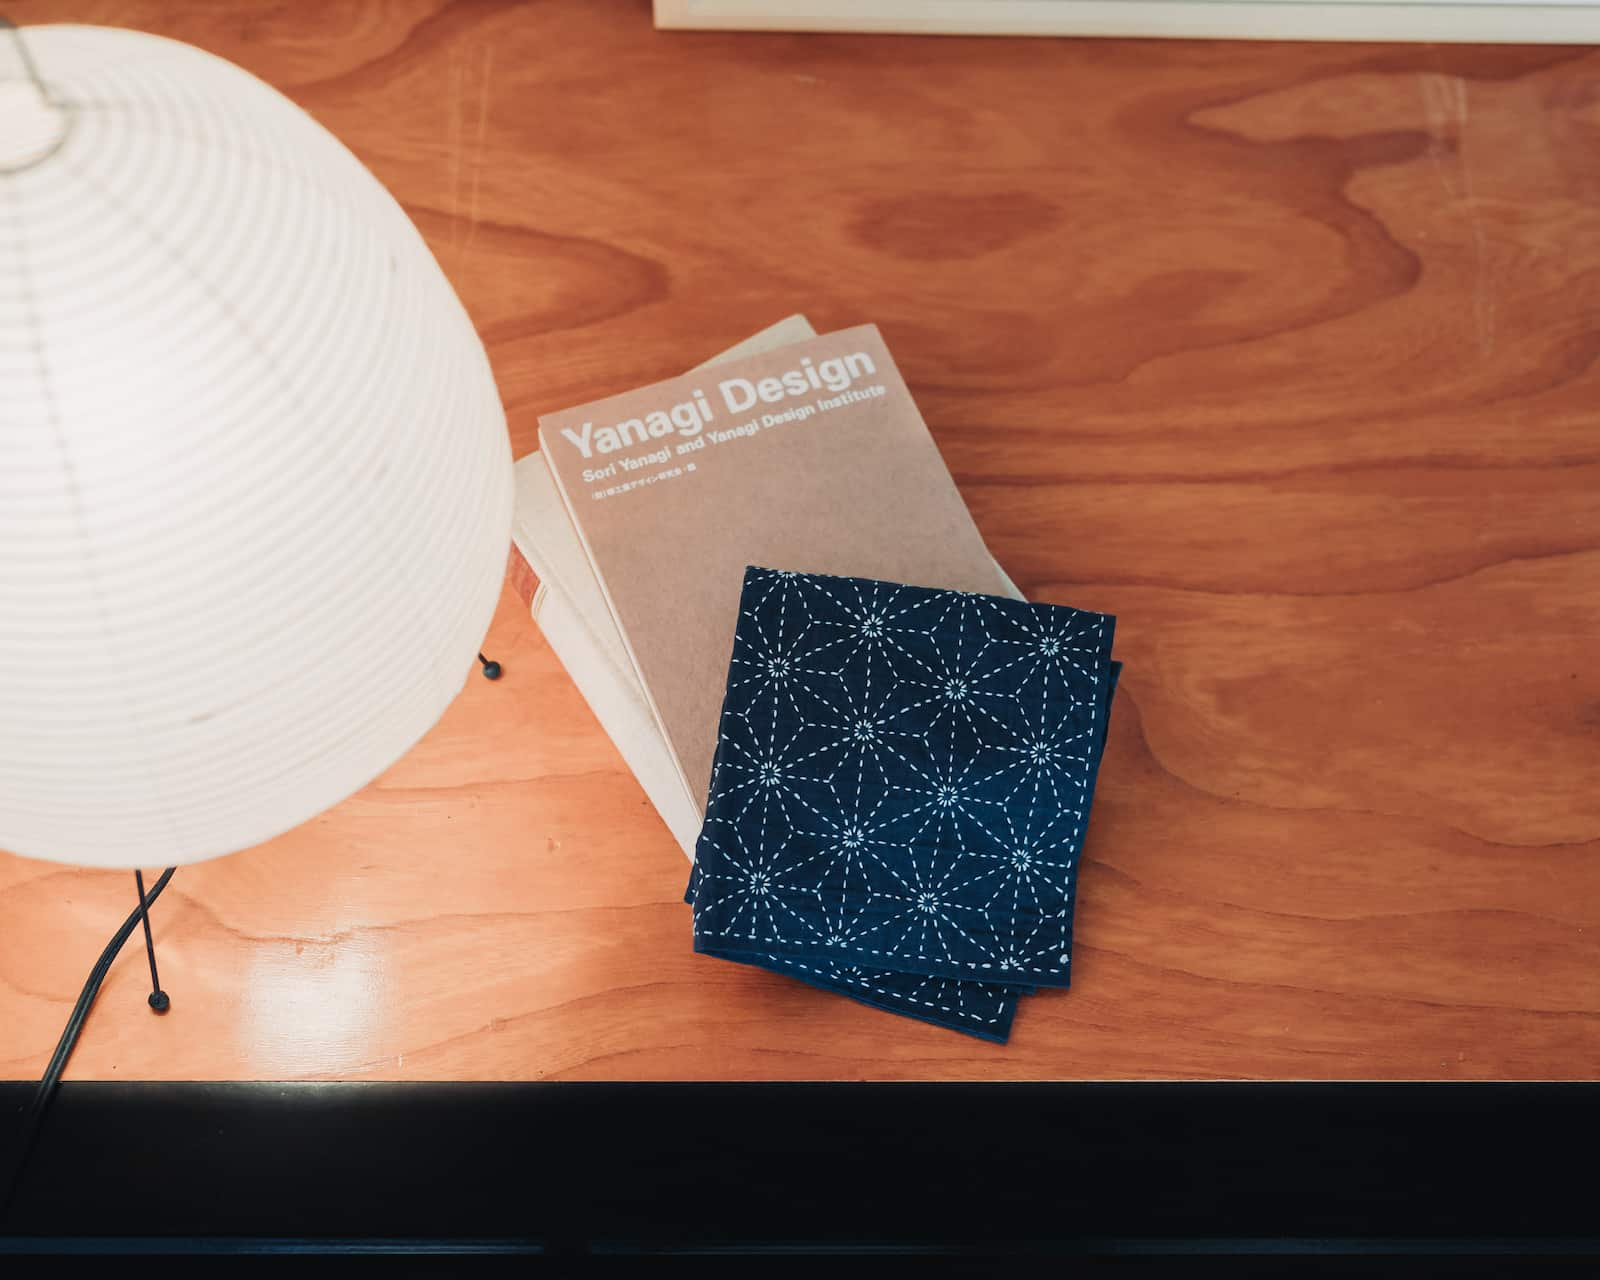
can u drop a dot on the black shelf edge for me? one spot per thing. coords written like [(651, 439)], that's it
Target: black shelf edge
[(1081, 1169)]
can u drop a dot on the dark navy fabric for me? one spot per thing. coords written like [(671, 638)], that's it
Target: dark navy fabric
[(900, 791), (982, 1009)]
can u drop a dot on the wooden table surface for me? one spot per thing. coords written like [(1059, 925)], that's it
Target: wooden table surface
[(1283, 354)]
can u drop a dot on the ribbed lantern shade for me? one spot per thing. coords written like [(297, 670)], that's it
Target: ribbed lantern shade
[(255, 482)]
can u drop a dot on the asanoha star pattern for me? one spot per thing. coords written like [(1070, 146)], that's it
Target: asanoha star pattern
[(900, 791)]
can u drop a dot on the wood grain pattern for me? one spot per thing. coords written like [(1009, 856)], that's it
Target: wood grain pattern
[(1283, 354)]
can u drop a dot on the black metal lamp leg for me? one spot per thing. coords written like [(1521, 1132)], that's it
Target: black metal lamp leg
[(158, 997), (491, 670)]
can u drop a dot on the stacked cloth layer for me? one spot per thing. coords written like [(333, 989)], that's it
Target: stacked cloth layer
[(900, 791)]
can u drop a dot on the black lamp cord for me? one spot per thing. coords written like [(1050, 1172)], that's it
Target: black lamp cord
[(46, 1089)]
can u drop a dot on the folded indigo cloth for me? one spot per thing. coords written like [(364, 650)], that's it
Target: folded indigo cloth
[(982, 1009), (898, 801)]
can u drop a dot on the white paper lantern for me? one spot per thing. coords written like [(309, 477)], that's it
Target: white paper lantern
[(255, 482)]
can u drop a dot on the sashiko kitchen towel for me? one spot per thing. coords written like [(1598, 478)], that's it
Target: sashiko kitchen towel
[(900, 791)]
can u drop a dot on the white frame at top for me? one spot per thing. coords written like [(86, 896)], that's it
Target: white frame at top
[(1460, 21)]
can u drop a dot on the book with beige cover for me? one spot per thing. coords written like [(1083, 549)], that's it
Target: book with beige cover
[(810, 456), (551, 573)]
